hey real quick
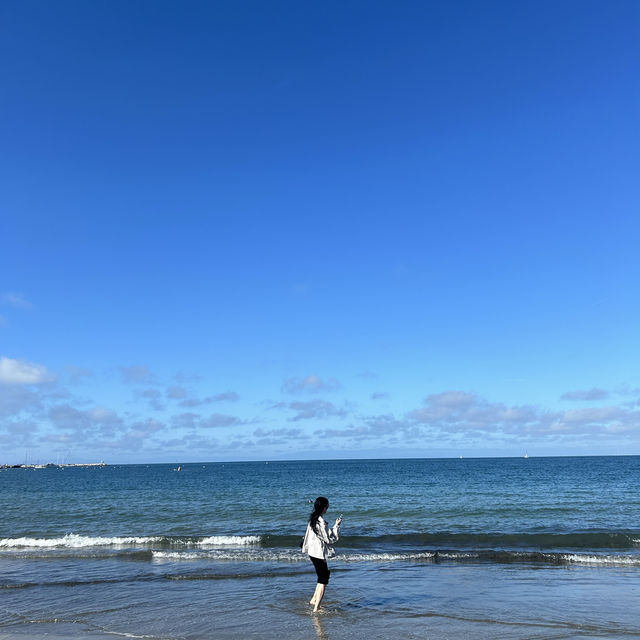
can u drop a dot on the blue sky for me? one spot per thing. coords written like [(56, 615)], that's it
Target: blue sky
[(247, 230)]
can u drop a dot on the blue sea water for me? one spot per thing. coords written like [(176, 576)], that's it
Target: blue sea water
[(482, 548)]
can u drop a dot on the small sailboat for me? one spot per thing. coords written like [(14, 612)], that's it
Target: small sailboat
[(526, 455)]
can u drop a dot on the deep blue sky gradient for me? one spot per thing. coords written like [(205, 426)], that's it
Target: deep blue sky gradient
[(398, 200)]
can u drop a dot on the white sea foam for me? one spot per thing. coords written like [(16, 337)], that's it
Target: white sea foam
[(257, 555), (220, 541), (594, 559), (284, 555), (291, 555), (124, 634), (177, 555), (458, 555), (385, 557), (74, 541)]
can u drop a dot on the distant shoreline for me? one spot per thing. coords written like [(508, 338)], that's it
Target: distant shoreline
[(308, 460), (51, 465)]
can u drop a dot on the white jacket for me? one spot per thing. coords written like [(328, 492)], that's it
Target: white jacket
[(316, 544)]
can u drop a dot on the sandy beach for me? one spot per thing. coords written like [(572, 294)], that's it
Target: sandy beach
[(370, 601)]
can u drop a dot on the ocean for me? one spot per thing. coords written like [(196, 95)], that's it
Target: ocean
[(503, 548)]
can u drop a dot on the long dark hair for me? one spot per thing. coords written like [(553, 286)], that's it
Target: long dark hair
[(319, 506)]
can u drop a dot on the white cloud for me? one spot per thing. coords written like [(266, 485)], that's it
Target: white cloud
[(279, 433), (227, 396), (290, 438), (184, 378), (85, 423), (18, 434), (182, 394), (315, 409), (153, 396), (176, 393), (77, 373), (588, 395), (467, 415), (462, 418), (452, 400), (216, 420), (196, 421), (373, 428), (14, 399), (22, 372), (453, 418), (143, 429), (137, 374), (185, 420), (16, 300), (190, 403), (310, 384), (593, 415)]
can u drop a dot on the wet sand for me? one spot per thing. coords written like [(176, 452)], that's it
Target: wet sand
[(369, 601)]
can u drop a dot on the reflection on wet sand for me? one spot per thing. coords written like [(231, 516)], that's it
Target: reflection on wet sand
[(320, 630)]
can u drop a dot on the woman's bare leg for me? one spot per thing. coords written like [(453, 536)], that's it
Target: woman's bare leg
[(315, 594), (319, 595)]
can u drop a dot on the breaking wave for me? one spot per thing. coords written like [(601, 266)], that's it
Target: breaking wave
[(448, 556), (74, 541), (588, 548)]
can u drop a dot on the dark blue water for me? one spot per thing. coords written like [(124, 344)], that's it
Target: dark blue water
[(145, 550)]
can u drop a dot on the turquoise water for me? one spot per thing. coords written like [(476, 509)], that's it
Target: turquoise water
[(539, 547)]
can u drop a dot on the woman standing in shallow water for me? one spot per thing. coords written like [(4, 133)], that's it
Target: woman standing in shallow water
[(316, 543)]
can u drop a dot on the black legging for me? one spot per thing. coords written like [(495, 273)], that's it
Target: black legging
[(321, 569)]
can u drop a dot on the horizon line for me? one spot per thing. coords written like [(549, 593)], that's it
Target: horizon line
[(275, 460)]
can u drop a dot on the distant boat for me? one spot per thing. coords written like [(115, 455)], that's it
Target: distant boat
[(526, 455)]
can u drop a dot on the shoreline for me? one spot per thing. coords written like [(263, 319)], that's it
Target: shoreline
[(51, 465)]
